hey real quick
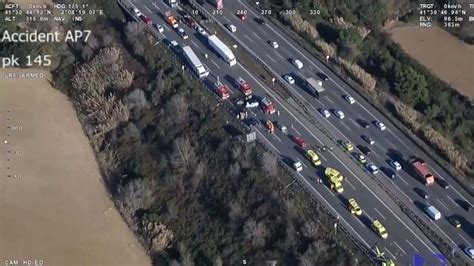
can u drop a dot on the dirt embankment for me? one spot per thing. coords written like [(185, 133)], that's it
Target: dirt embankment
[(446, 56), (53, 205)]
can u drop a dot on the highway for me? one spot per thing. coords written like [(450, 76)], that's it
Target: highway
[(405, 239), (389, 144)]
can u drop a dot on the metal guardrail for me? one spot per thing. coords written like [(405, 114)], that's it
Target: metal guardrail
[(366, 250), (444, 246), (123, 4), (335, 68), (433, 236)]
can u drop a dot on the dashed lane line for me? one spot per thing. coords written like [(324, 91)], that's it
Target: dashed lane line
[(344, 165)]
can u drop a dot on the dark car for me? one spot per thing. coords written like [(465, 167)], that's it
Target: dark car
[(442, 183), (389, 172), (323, 76), (364, 150), (421, 193), (260, 21), (363, 123), (251, 121), (465, 205), (201, 2)]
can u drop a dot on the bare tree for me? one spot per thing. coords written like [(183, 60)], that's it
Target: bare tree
[(236, 151), (310, 229), (131, 131), (179, 108), (255, 232), (172, 209), (234, 169), (162, 237), (290, 240), (136, 99), (269, 163), (236, 211), (307, 258), (183, 154), (133, 196), (186, 256), (218, 261), (198, 174)]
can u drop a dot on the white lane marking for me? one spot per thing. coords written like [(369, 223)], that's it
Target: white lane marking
[(279, 55), (344, 124), (442, 204), (248, 38), (255, 34), (194, 43), (401, 249), (452, 187), (226, 19), (451, 199), (215, 64), (348, 225), (402, 192), (296, 130), (343, 164), (412, 245), (391, 254), (329, 99), (271, 58), (276, 137), (389, 142), (268, 141), (380, 214), (403, 179), (399, 140), (350, 184), (149, 10), (354, 122), (323, 157), (467, 241), (155, 5)]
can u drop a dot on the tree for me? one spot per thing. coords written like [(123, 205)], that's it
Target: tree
[(411, 86), (136, 99), (269, 163), (183, 154), (257, 233)]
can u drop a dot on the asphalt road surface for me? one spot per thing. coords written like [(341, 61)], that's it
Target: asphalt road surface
[(404, 241), (389, 144)]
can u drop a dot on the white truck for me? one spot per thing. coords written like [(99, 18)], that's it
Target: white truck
[(172, 3), (195, 63), (315, 86), (222, 50), (433, 213)]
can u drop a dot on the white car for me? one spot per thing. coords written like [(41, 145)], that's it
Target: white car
[(231, 27), (469, 252), (297, 63), (289, 79), (137, 12), (349, 99), (298, 166), (368, 139), (372, 168), (395, 165), (201, 31), (380, 125), (251, 104), (274, 44), (159, 28), (182, 33), (339, 114), (325, 112)]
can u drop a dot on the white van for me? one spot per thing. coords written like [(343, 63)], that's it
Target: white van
[(298, 64), (433, 213)]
